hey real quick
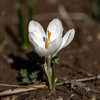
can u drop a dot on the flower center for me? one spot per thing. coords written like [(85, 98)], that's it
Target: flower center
[(48, 41)]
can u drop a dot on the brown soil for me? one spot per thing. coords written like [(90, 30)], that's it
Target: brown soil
[(81, 53)]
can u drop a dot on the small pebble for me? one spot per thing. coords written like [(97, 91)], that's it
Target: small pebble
[(49, 94), (95, 62), (87, 89), (89, 38), (10, 60)]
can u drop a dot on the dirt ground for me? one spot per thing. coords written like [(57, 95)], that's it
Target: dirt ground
[(80, 56)]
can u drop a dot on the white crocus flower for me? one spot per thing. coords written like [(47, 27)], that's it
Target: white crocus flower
[(49, 44)]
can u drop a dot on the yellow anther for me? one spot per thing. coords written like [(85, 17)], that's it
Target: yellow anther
[(48, 41)]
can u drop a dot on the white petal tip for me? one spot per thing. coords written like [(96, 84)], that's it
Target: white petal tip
[(68, 37), (31, 26), (72, 32), (56, 21)]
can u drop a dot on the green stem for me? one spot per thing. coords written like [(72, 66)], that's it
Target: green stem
[(46, 71), (49, 71), (53, 74)]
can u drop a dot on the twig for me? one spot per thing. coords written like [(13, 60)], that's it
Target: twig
[(27, 98), (50, 16), (77, 80), (66, 16), (20, 90), (35, 87), (71, 97), (11, 85), (80, 80)]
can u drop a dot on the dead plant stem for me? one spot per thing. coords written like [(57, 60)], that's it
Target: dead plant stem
[(65, 16), (35, 87)]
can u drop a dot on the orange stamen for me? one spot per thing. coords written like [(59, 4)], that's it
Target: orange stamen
[(49, 34), (48, 41)]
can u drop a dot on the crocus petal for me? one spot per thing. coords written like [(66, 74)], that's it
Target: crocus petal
[(56, 28), (52, 48), (34, 40), (42, 52), (55, 45), (68, 37), (36, 30)]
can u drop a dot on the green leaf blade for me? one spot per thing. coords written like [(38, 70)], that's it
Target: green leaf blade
[(31, 9), (33, 81), (33, 75), (26, 80), (23, 29), (23, 72)]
